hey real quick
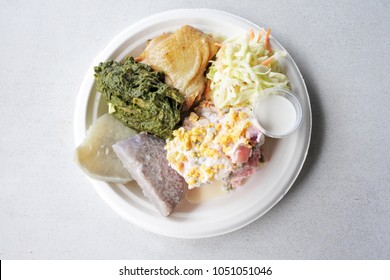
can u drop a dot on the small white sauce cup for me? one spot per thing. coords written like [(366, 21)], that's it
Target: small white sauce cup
[(291, 97)]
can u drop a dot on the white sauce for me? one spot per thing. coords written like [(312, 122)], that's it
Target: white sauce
[(276, 114), (205, 192)]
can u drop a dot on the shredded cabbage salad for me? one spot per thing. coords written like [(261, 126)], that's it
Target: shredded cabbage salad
[(244, 66)]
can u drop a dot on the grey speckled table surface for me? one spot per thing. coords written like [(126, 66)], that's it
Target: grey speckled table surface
[(338, 208)]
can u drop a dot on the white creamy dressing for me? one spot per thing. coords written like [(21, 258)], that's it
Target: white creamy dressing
[(205, 192), (276, 114)]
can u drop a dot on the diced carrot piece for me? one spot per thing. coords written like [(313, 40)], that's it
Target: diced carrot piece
[(267, 45), (251, 34), (260, 35), (267, 61)]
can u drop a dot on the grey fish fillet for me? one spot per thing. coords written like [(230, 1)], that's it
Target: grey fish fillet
[(145, 158)]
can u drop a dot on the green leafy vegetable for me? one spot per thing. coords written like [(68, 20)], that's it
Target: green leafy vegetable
[(138, 96)]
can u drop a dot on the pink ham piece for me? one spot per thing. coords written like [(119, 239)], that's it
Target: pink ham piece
[(239, 176), (241, 154)]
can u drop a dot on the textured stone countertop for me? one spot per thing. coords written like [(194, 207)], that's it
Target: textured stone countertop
[(338, 208)]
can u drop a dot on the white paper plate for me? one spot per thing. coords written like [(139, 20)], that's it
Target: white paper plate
[(224, 214)]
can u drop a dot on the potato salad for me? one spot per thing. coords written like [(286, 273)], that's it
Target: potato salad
[(213, 143)]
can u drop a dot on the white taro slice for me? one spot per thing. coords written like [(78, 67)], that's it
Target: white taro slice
[(95, 155)]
